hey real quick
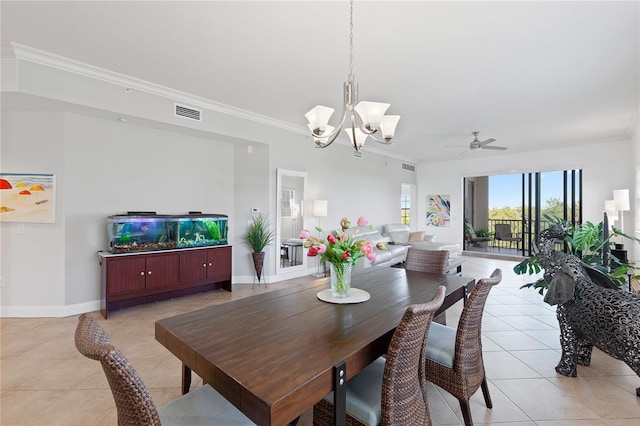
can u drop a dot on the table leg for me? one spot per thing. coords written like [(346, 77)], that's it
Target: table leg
[(186, 379), (340, 394)]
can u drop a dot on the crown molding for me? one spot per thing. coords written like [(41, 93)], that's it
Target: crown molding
[(27, 53), (6, 51)]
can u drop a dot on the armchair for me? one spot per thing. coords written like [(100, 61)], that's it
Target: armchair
[(473, 238), (503, 233)]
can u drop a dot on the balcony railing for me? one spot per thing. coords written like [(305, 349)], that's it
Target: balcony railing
[(517, 229)]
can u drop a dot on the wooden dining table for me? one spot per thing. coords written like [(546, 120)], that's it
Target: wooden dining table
[(274, 355)]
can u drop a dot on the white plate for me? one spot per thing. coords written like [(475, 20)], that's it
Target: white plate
[(355, 295)]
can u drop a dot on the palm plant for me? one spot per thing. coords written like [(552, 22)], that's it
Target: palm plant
[(257, 236)]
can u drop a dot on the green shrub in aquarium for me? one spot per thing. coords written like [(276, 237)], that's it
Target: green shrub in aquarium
[(214, 229)]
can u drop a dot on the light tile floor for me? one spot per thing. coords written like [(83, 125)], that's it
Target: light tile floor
[(45, 381)]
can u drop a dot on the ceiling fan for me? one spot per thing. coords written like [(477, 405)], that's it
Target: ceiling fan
[(476, 144)]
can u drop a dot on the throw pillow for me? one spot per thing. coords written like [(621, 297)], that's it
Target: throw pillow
[(416, 237), (400, 237)]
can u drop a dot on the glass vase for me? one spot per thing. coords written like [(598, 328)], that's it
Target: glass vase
[(340, 279)]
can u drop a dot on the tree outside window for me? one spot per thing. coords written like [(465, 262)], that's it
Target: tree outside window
[(405, 209)]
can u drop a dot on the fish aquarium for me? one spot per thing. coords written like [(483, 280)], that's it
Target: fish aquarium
[(142, 231), (198, 230)]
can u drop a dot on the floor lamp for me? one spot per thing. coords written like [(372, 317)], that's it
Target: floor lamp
[(319, 210), (609, 212), (621, 200)]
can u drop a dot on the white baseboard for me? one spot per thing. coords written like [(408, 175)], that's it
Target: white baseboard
[(60, 311), (48, 311)]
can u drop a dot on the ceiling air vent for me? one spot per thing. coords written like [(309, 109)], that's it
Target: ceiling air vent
[(186, 112), (408, 167), (357, 154)]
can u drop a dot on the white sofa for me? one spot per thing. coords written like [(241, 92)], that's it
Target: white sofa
[(400, 234), (393, 254)]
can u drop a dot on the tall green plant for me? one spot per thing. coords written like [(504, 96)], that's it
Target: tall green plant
[(258, 234), (585, 241)]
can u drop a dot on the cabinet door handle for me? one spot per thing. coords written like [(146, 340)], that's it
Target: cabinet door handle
[(204, 265), (209, 263), (149, 272), (142, 273)]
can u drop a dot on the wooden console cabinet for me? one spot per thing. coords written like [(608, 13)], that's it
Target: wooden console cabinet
[(136, 278)]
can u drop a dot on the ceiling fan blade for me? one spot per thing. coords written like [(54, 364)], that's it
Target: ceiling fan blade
[(457, 146), (499, 148), (487, 142), (465, 151)]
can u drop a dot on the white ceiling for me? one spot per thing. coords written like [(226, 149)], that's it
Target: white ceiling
[(529, 74)]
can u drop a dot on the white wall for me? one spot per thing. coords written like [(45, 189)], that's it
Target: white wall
[(32, 264), (251, 170), (368, 187), (605, 166), (102, 167), (105, 167)]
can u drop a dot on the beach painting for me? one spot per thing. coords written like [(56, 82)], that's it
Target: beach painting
[(438, 210), (27, 197)]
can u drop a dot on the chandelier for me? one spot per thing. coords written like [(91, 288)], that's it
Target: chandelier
[(366, 118)]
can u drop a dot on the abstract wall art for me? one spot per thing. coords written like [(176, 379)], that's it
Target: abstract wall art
[(438, 210)]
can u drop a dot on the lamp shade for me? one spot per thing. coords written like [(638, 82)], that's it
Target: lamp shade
[(320, 208), (610, 210), (318, 117), (360, 137), (371, 112), (320, 139), (388, 125), (621, 198)]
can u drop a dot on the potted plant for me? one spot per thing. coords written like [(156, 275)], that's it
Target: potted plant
[(257, 236), (483, 232)]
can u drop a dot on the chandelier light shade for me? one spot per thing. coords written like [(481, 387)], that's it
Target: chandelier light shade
[(365, 118), (357, 137)]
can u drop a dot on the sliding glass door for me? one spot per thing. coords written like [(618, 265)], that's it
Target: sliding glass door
[(522, 204), (547, 196)]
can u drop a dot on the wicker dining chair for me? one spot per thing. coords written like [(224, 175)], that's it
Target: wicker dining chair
[(201, 406), (454, 357), (391, 392), (433, 261)]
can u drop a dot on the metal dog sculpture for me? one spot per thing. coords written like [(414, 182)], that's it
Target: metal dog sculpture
[(591, 310)]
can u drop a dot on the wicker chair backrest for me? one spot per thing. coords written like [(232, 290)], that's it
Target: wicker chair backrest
[(403, 397), (468, 352), (434, 261), (133, 401)]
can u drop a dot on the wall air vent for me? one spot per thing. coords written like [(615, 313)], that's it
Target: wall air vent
[(357, 154), (186, 112), (408, 167)]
